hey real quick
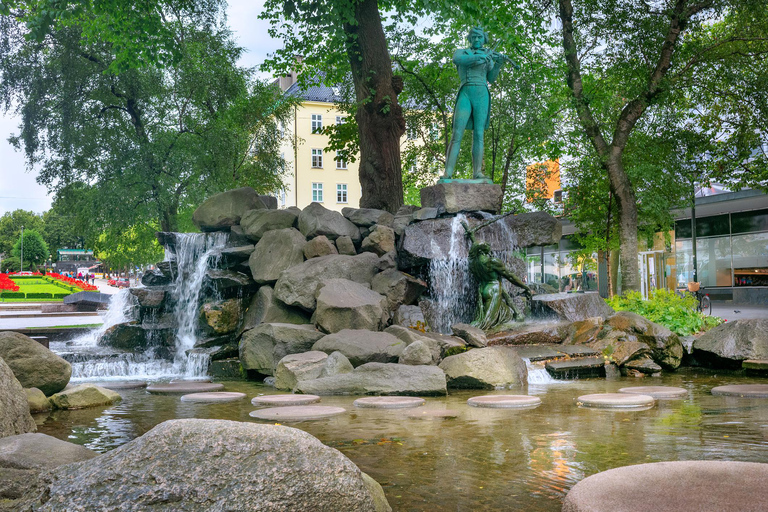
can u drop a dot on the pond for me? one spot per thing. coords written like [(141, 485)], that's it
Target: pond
[(484, 459)]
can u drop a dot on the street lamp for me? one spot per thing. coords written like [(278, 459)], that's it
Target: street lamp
[(21, 264)]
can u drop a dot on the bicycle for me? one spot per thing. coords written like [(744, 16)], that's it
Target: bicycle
[(703, 303)]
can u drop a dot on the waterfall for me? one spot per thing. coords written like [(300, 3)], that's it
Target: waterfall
[(538, 374), (122, 308)]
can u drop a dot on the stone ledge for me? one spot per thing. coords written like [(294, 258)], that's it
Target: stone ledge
[(462, 197)]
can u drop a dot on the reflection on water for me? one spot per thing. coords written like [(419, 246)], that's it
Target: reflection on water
[(485, 459)]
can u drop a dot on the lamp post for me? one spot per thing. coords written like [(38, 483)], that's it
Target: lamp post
[(21, 264)]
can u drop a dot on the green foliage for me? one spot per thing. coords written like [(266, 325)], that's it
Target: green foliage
[(668, 309), (39, 295), (12, 295), (10, 227), (35, 250)]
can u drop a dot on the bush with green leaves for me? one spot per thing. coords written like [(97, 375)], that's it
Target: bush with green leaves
[(675, 312)]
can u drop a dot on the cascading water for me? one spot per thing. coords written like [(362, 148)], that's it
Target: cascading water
[(538, 374), (122, 308)]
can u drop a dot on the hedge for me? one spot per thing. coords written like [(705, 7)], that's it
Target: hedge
[(61, 295), (40, 295), (12, 295)]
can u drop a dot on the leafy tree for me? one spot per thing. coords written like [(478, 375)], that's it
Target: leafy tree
[(35, 250), (60, 230), (136, 245), (10, 227)]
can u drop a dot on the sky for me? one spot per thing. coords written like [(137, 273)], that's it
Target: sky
[(18, 188)]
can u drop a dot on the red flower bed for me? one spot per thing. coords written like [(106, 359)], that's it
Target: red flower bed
[(73, 282), (7, 284)]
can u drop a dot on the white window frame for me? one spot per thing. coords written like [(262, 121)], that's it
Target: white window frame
[(317, 192), (411, 133), (317, 158), (341, 162), (342, 195), (317, 123), (341, 119)]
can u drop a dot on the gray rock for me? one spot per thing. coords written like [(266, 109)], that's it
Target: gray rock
[(83, 396), (666, 347), (462, 197), (644, 365), (388, 261), (618, 349), (14, 408), (262, 347), (148, 297), (319, 246), (223, 210), (37, 400), (265, 308), (399, 288), (222, 316), (13, 484), (132, 337), (584, 331), (380, 379), (255, 223), (344, 304), (220, 465), (473, 336), (406, 209), (404, 334), (345, 246), (277, 250), (361, 346), (335, 364), (233, 256), (485, 368), (40, 451), (532, 333), (425, 214), (380, 240), (297, 367), (416, 353), (269, 201), (316, 220), (400, 223), (34, 365), (439, 345), (728, 344), (297, 285), (225, 283), (448, 345), (572, 307), (409, 316), (367, 216)]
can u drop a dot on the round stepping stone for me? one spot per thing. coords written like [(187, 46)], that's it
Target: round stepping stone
[(280, 400), (191, 379), (504, 401), (656, 391), (676, 486), (388, 402), (742, 390), (122, 384), (433, 414), (184, 388), (615, 401), (297, 413), (215, 396)]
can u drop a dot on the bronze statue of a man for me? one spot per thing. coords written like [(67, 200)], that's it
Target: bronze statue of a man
[(477, 67)]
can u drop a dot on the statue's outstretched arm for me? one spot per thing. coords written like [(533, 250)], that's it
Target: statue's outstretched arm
[(512, 278)]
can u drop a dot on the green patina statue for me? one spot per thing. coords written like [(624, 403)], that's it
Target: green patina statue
[(477, 67), (494, 305)]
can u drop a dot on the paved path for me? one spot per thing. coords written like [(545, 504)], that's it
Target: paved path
[(733, 312), (21, 323)]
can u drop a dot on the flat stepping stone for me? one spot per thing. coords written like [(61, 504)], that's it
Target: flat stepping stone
[(579, 367), (742, 390), (285, 400), (191, 379), (389, 402), (674, 486), (184, 388), (656, 391), (504, 401), (615, 401), (215, 396), (433, 414), (297, 413), (122, 384)]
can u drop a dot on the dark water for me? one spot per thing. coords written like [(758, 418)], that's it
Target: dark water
[(485, 459)]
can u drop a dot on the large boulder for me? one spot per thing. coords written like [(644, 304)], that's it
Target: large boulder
[(319, 246), (262, 347), (532, 333), (296, 367), (367, 217), (362, 346), (471, 335), (728, 344), (276, 251), (83, 396), (416, 353), (439, 345), (584, 331), (335, 364), (316, 220), (380, 240), (40, 451), (198, 465), (133, 337), (148, 297), (380, 379), (224, 210), (462, 197), (34, 365), (297, 285), (572, 307), (344, 304), (256, 223), (14, 409), (485, 368), (265, 308), (37, 400), (222, 316), (226, 283), (399, 288), (345, 245), (409, 316), (666, 347)]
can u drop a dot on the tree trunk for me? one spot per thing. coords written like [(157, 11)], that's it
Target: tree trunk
[(627, 205), (379, 117), (169, 219)]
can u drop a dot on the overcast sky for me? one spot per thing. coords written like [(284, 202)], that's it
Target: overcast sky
[(18, 188)]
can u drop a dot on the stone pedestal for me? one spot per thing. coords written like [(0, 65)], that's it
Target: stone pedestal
[(455, 197)]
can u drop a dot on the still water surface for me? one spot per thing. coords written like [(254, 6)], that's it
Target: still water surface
[(484, 459)]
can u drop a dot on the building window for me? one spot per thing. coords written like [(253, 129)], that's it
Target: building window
[(412, 133), (281, 127), (317, 158), (341, 193), (317, 123), (341, 119), (341, 162), (317, 192)]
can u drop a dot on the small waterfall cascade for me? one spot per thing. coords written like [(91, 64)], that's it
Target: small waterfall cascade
[(122, 308), (450, 282), (538, 374)]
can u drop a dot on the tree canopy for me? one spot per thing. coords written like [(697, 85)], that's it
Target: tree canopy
[(32, 248)]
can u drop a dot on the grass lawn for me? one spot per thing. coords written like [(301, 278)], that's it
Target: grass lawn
[(39, 286)]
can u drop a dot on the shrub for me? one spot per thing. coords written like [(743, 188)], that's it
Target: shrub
[(667, 308), (12, 295), (40, 295), (61, 295)]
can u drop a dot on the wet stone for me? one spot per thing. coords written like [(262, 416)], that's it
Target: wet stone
[(658, 392), (216, 396), (274, 400), (297, 413), (184, 388), (755, 366), (579, 367), (389, 402), (122, 384), (504, 401), (615, 401), (433, 414), (191, 379), (742, 390)]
